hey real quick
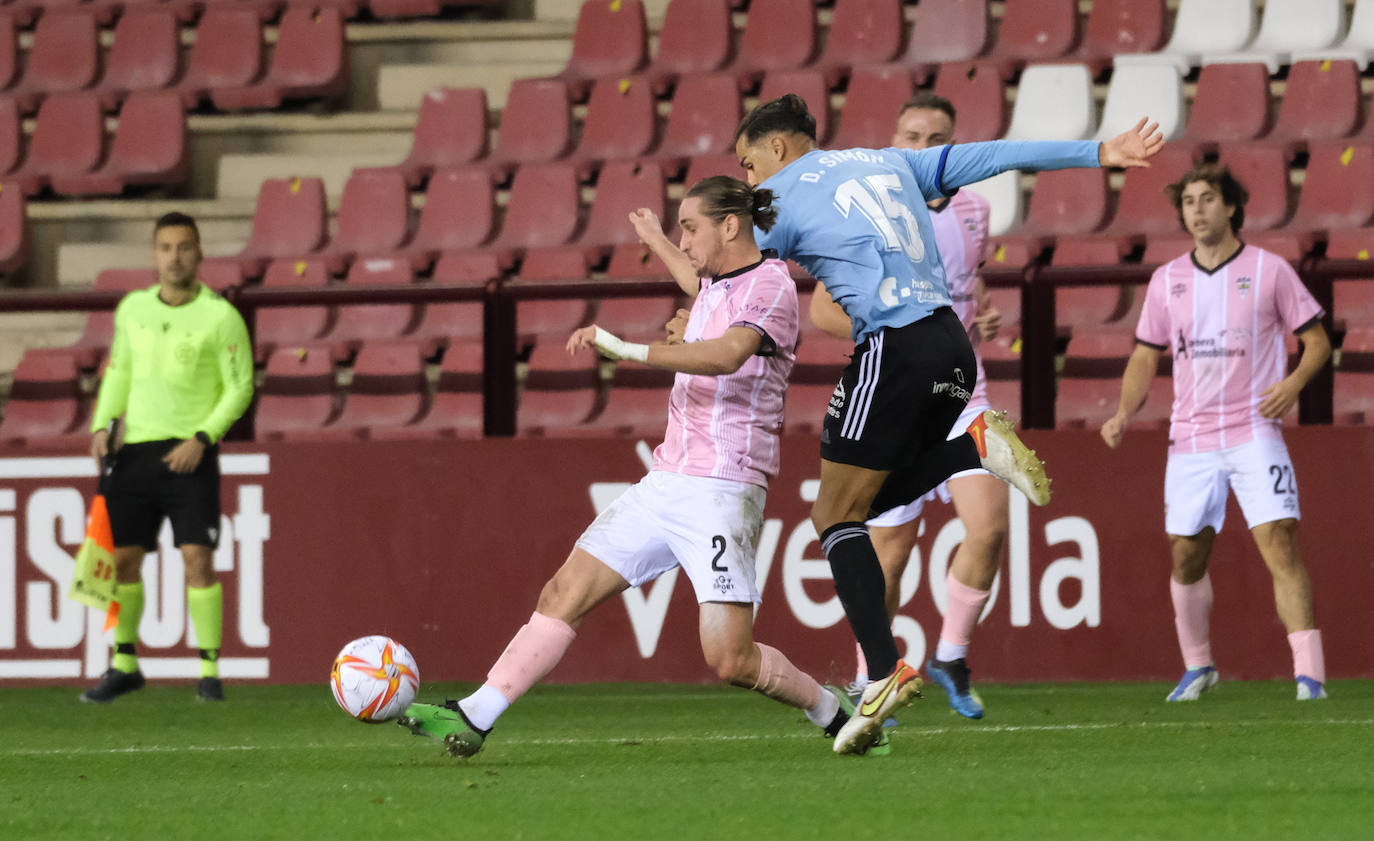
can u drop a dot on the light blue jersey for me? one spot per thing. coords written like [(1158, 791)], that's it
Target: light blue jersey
[(856, 219)]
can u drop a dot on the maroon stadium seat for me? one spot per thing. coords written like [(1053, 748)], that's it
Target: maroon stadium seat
[(68, 139), (706, 109), (637, 262), (636, 319), (804, 408), (456, 409), (695, 39), (450, 131), (458, 321), (374, 217), (458, 214), (1036, 30), (871, 105), (1118, 27), (310, 60), (979, 98), (561, 389), (705, 166), (1067, 201), (289, 221), (284, 326), (1087, 403), (1330, 200), (149, 147), (405, 8), (637, 411), (537, 320), (621, 122), (44, 403), (1232, 104), (1353, 299), (1142, 207), (473, 268), (1353, 401), (11, 136), (388, 391), (611, 39), (810, 86), (1099, 353), (779, 35), (536, 125), (359, 323), (146, 55), (9, 59), (542, 210), (946, 31), (621, 189), (1322, 101), (14, 241), (862, 33), (65, 57), (297, 398), (227, 53), (1263, 169)]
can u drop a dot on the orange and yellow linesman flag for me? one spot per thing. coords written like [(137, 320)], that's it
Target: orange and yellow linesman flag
[(93, 580)]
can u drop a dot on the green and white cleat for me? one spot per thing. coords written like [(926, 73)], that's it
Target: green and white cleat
[(1005, 456), (447, 724), (847, 702)]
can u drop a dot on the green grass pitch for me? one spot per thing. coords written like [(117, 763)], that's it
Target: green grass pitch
[(613, 761)]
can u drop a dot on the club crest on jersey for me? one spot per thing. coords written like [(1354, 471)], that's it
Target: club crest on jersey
[(1243, 285)]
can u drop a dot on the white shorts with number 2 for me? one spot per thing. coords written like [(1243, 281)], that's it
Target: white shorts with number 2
[(1260, 472)]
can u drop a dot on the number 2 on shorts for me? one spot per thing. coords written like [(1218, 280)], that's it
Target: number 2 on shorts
[(718, 543)]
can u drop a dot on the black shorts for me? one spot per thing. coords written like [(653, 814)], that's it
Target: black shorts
[(141, 490), (902, 391)]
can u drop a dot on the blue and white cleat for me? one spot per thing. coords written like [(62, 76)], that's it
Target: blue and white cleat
[(952, 676), (1194, 683), (1309, 689)]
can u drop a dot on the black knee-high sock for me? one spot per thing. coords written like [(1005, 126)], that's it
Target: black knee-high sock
[(859, 584)]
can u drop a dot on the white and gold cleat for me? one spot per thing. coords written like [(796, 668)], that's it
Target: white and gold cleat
[(1005, 456)]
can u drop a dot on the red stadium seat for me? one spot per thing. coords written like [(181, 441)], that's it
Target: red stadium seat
[(536, 125), (388, 390), (804, 409), (1036, 30), (1353, 401), (636, 262), (1119, 27), (1263, 169), (227, 54), (695, 39), (705, 166), (310, 60), (611, 39), (1328, 201), (621, 189), (1353, 299), (474, 268), (706, 109), (387, 9), (631, 411), (450, 131), (979, 98), (146, 55), (65, 57), (456, 408), (11, 136), (1069, 202), (359, 323), (542, 210), (561, 389), (297, 397), (871, 105), (621, 122), (9, 59), (68, 139), (862, 33), (946, 31), (289, 221), (44, 409), (1099, 353), (459, 213), (1142, 208), (149, 147), (284, 326), (374, 217), (779, 35), (1232, 104), (14, 240), (810, 86), (1322, 101), (536, 320), (636, 319)]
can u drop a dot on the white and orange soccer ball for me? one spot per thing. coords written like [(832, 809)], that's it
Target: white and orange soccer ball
[(374, 678)]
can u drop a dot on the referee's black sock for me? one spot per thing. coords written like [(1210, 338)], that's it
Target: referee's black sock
[(860, 586)]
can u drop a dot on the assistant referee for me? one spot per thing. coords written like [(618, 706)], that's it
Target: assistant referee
[(180, 373)]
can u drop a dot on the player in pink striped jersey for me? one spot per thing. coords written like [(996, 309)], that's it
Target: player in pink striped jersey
[(980, 499), (1223, 310), (701, 505)]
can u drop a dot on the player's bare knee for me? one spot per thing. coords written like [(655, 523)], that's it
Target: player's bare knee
[(1189, 557), (987, 541), (732, 667)]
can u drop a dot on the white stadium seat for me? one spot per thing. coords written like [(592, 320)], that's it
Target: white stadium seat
[(1288, 26), (1003, 193), (1054, 102), (1138, 89)]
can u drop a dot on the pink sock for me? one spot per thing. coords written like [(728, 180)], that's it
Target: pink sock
[(963, 606), (1307, 655), (861, 671), (532, 653), (782, 681), (1192, 607)]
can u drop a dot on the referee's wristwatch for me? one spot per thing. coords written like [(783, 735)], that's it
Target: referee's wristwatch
[(204, 439)]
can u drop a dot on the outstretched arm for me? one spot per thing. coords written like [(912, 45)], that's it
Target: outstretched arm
[(650, 232), (711, 357)]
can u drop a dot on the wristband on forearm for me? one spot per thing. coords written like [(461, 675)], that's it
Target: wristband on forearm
[(616, 348)]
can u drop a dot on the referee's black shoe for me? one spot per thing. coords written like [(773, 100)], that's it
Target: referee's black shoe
[(210, 689), (113, 684)]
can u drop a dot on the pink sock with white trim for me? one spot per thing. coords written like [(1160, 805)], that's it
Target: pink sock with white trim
[(963, 606), (1308, 659), (531, 654), (1192, 609), (782, 681)]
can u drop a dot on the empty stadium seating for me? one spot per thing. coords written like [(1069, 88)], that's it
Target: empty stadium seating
[(779, 35), (695, 39), (388, 390), (946, 31), (611, 40), (146, 54), (862, 33), (872, 101), (284, 326), (706, 109), (14, 241), (309, 60), (289, 222), (450, 131), (374, 218), (297, 397), (44, 408), (149, 147)]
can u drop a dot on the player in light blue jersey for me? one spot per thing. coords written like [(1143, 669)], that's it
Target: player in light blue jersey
[(856, 219)]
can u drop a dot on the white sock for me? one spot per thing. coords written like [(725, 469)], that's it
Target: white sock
[(824, 712), (947, 651), (485, 705)]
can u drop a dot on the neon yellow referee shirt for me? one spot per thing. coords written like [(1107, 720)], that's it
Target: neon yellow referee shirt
[(176, 371)]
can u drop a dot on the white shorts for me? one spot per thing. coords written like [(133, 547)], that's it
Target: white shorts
[(903, 514), (1259, 472), (709, 527)]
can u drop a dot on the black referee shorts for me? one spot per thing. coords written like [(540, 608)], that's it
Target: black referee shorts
[(900, 394), (141, 490)]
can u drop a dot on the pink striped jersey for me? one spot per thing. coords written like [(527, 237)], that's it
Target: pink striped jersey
[(727, 427), (1226, 330), (961, 235)]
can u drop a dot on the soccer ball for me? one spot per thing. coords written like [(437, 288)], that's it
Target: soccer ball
[(374, 678)]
